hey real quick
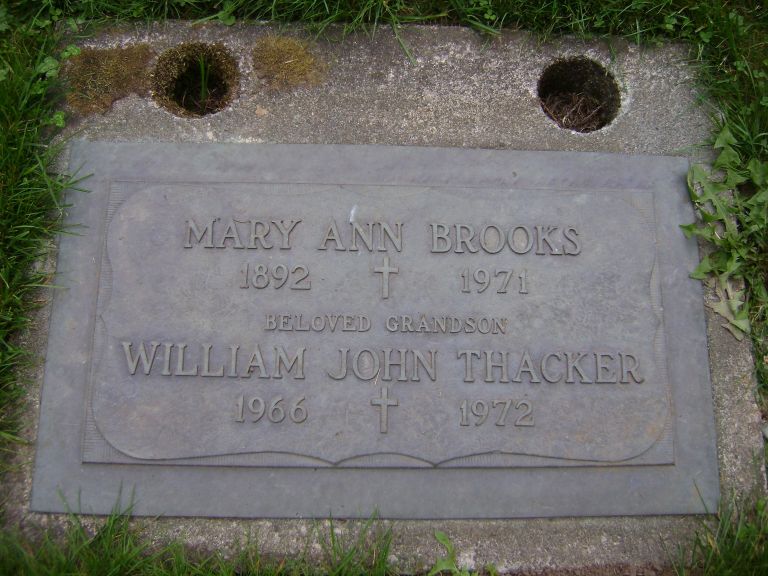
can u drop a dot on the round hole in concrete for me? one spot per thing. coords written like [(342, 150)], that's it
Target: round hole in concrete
[(195, 79), (579, 94)]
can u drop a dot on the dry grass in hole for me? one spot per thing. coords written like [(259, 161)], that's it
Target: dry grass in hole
[(286, 62), (579, 112), (99, 77), (195, 79), (579, 94)]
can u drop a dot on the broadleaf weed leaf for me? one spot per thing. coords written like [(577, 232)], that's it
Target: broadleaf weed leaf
[(725, 138), (48, 67)]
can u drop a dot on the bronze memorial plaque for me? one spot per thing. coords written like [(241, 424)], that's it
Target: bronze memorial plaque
[(288, 330)]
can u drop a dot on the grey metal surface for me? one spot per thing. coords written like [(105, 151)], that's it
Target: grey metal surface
[(631, 432)]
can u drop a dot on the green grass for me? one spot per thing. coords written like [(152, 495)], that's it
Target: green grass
[(728, 41), (29, 196), (737, 545), (116, 548)]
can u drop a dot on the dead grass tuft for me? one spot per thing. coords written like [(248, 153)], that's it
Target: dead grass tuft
[(580, 112), (286, 62), (99, 77)]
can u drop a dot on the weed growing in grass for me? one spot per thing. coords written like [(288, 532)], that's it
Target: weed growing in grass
[(733, 205), (733, 200), (447, 564)]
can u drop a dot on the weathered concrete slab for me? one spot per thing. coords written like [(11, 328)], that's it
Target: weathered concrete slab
[(462, 91)]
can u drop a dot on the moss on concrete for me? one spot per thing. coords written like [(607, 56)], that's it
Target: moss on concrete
[(98, 78), (286, 62)]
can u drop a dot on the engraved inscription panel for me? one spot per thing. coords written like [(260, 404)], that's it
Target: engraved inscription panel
[(312, 325)]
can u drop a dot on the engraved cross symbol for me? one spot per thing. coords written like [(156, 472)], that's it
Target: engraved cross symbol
[(385, 270), (384, 402)]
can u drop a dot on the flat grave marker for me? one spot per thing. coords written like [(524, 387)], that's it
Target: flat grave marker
[(305, 330)]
